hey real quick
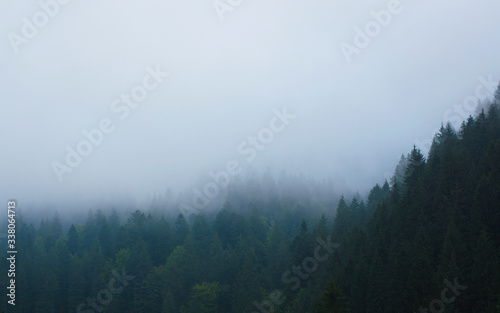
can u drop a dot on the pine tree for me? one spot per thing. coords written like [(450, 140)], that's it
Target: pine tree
[(73, 240), (333, 300), (181, 230), (342, 221), (247, 288), (414, 169), (203, 298), (302, 245)]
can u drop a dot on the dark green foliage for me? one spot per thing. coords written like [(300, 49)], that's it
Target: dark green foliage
[(437, 223), (203, 298), (440, 223), (332, 301)]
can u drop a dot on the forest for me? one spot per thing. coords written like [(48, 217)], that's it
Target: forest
[(428, 240)]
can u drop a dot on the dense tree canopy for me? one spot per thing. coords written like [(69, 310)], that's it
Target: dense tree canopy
[(429, 239)]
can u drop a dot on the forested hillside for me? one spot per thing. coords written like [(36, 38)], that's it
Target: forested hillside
[(427, 240)]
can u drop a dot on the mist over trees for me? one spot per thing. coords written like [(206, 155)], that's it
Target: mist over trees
[(427, 240)]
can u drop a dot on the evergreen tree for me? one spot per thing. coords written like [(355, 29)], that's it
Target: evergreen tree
[(181, 230), (73, 240), (302, 245), (333, 300), (247, 288), (203, 298)]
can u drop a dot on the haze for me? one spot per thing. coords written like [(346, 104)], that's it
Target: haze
[(226, 81)]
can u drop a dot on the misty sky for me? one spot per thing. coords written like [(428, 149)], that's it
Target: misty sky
[(352, 120)]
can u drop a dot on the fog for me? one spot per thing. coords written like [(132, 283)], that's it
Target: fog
[(274, 70)]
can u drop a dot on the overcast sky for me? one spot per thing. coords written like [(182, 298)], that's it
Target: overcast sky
[(229, 71)]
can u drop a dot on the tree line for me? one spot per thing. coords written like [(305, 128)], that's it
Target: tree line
[(427, 240)]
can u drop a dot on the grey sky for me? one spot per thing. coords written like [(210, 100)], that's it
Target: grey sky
[(353, 120)]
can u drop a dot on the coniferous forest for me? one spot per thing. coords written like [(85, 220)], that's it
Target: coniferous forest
[(426, 241)]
